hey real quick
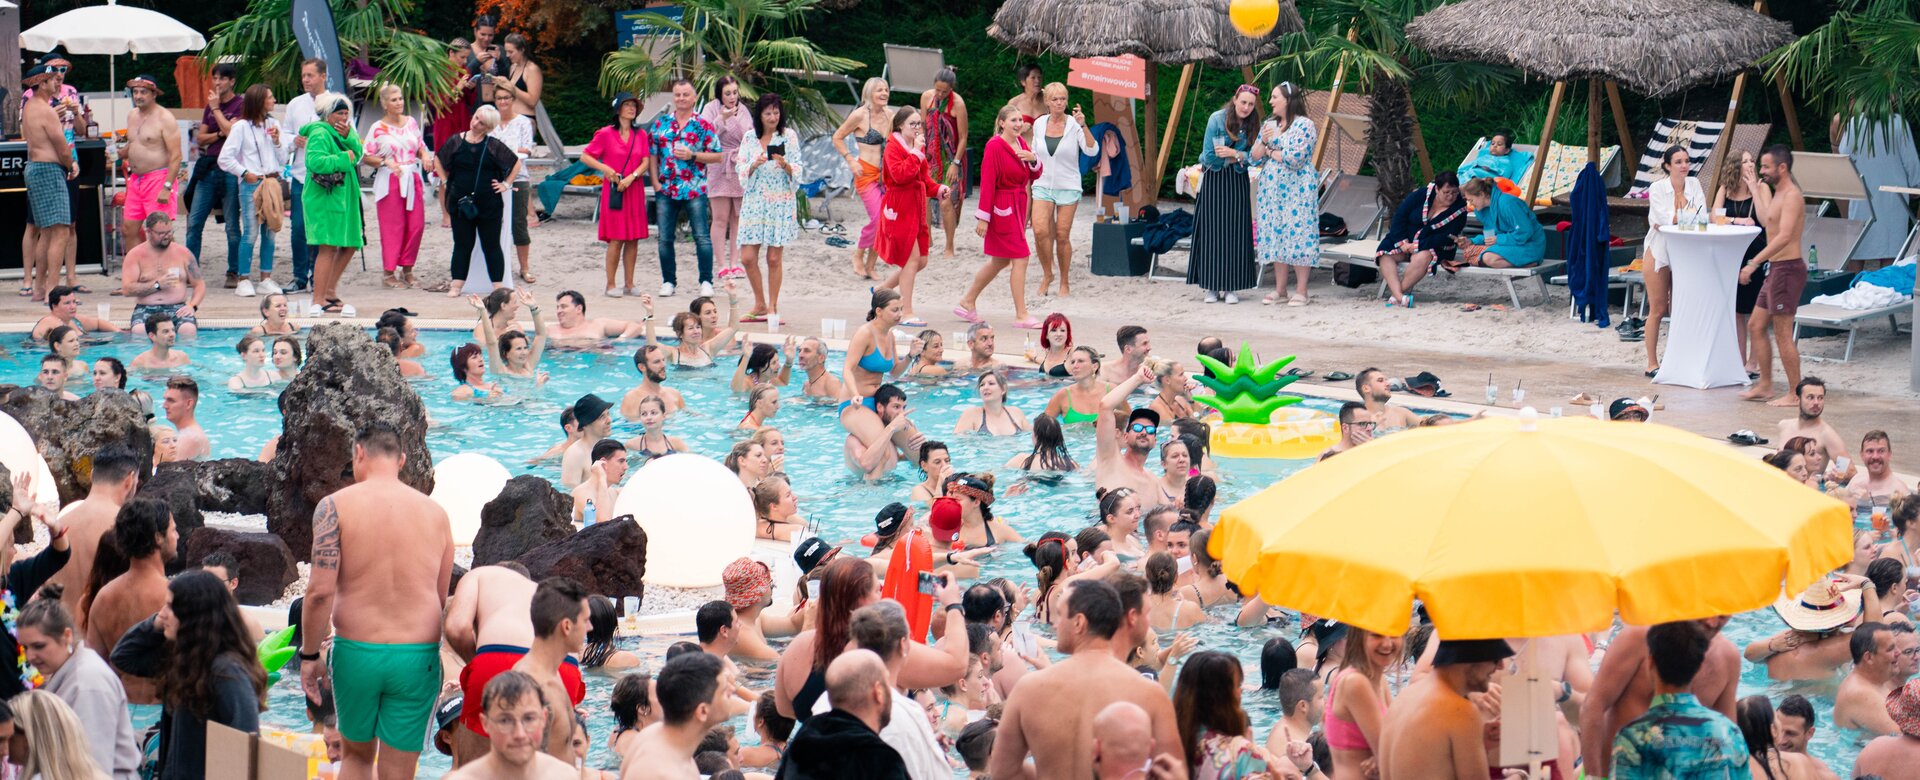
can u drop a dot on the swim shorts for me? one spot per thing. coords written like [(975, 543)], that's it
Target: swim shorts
[(488, 662), (385, 691), (143, 196), (1057, 195), (142, 311), (1780, 294), (47, 194)]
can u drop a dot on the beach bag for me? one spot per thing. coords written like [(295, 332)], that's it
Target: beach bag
[(1353, 276), (1332, 226)]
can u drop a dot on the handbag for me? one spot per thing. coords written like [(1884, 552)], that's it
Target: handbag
[(469, 209), (616, 197), (328, 181)]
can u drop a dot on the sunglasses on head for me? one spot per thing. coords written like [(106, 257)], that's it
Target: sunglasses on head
[(1143, 428)]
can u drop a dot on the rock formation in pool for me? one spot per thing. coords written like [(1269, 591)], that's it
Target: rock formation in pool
[(608, 558), (528, 513), (236, 485), (68, 433), (347, 382), (266, 564)]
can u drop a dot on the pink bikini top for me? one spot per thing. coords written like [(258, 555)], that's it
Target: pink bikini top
[(1343, 734)]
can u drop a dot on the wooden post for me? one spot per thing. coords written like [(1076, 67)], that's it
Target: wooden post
[(1632, 155), (10, 77), (1593, 121), (1420, 143), (1793, 117), (1339, 86), (1546, 140), (1150, 107), (1726, 134), (1173, 122)]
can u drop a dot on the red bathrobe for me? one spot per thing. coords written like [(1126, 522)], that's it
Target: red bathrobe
[(1004, 183), (903, 209)]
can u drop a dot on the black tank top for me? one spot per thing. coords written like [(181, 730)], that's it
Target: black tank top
[(810, 692), (1743, 209)]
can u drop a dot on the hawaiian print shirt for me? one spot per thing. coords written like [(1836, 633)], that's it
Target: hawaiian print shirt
[(681, 179), (1680, 739)]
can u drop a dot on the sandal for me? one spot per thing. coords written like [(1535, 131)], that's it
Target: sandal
[(972, 316), (438, 287), (1027, 324), (913, 322), (527, 278), (83, 289), (754, 318), (1273, 298), (333, 307)]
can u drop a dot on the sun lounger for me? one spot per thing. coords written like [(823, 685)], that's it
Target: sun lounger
[(910, 70), (1828, 317), (1343, 155), (1700, 138)]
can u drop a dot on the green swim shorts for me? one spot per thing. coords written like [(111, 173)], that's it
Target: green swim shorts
[(385, 691)]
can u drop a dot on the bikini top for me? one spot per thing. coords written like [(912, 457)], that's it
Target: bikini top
[(1343, 734), (876, 362), (1072, 415), (983, 424), (872, 138), (1059, 370)]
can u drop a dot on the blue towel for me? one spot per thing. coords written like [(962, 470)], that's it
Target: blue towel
[(1587, 248), (1898, 278), (551, 188), (1122, 176)]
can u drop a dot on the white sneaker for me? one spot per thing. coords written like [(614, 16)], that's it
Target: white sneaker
[(706, 289), (1212, 297), (1231, 298), (347, 311), (613, 292), (666, 290), (268, 287), (244, 289)]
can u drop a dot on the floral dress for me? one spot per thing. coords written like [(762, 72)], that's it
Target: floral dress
[(767, 215), (1286, 212)]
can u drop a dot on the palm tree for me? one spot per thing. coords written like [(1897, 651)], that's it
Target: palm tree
[(754, 41), (262, 42), (1863, 61)]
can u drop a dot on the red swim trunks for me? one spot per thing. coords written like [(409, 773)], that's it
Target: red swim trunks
[(491, 660)]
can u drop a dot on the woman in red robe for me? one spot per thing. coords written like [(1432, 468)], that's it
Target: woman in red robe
[(1007, 170), (904, 238)]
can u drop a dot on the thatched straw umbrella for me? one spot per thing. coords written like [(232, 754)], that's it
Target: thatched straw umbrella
[(1159, 31), (1656, 47)]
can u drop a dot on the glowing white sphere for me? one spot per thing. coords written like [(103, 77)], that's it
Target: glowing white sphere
[(462, 485), (697, 516), (19, 454)]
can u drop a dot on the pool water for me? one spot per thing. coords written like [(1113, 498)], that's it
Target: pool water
[(239, 424)]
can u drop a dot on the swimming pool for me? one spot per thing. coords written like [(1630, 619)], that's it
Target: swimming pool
[(239, 424)]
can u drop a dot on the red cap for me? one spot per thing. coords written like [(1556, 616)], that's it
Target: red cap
[(945, 518)]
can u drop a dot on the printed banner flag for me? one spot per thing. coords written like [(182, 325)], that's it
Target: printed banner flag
[(313, 28)]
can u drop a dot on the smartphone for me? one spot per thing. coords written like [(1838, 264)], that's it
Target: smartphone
[(777, 150), (1023, 640), (929, 582)]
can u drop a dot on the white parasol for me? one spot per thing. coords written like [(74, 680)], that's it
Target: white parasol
[(112, 29)]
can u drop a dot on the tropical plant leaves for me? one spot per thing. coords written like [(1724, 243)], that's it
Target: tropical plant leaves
[(261, 45)]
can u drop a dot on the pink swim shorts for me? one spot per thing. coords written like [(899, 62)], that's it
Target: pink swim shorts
[(143, 194)]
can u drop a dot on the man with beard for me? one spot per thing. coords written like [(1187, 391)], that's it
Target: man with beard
[(1432, 731), (820, 383), (154, 168), (1783, 212), (1811, 394), (1623, 688), (163, 278), (1878, 486), (900, 438), (1120, 452), (1373, 388), (146, 535), (651, 362)]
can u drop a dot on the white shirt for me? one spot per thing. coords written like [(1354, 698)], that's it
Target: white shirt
[(1660, 211), (300, 113), (250, 149), (1060, 170), (517, 135), (910, 734)]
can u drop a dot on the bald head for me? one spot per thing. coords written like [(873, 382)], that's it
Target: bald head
[(1122, 739), (857, 683)]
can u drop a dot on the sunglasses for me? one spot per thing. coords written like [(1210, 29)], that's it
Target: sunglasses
[(58, 69), (1143, 428)]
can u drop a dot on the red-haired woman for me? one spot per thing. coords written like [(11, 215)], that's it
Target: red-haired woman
[(1056, 340), (1007, 169)]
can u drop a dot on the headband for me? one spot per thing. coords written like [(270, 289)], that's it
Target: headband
[(972, 488)]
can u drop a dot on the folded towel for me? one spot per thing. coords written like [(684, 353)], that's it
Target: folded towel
[(1861, 297)]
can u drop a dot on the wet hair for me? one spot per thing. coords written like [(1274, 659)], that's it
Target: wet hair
[(739, 452), (1132, 589), (1100, 604), (210, 627), (759, 393), (1295, 685), (1110, 502), (768, 100), (118, 368), (710, 618), (845, 584), (58, 333), (1677, 648), (1200, 493), (898, 512), (1885, 573), (1049, 557), (880, 627), (630, 698), (603, 620), (294, 344), (685, 682), (154, 321), (1276, 659), (980, 602), (505, 342), (223, 560), (1797, 706), (1901, 512), (1089, 540), (1754, 714), (975, 743), (518, 41), (1161, 573), (554, 600), (712, 762), (927, 449), (461, 357), (137, 526), (779, 727), (886, 394), (1207, 697), (881, 297), (1049, 446), (114, 462), (566, 415), (606, 448), (108, 563), (379, 437)]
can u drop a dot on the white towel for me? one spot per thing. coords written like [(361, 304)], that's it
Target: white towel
[(1862, 297)]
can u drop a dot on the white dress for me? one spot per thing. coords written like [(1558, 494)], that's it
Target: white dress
[(1660, 212)]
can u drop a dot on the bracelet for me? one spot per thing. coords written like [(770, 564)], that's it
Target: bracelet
[(954, 607), (306, 656), (57, 536), (949, 557)]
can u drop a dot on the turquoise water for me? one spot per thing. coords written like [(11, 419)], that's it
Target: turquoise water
[(239, 424)]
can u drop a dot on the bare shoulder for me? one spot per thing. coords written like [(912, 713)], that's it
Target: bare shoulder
[(550, 768)]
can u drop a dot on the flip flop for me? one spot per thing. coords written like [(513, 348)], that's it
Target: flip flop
[(83, 289), (754, 318), (26, 292), (1337, 376), (1027, 324), (915, 322), (971, 316), (1302, 373)]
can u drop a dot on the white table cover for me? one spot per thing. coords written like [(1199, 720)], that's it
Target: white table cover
[(1702, 348)]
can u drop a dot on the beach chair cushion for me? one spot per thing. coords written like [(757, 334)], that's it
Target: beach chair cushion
[(1563, 166), (1697, 137)]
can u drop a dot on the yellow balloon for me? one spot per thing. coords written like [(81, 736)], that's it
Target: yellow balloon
[(1254, 18)]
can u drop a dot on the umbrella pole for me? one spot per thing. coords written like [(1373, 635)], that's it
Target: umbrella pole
[(1546, 140), (1333, 104), (1620, 122), (1166, 141), (1593, 121)]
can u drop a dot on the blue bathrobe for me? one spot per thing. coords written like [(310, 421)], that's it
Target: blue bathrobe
[(1517, 234)]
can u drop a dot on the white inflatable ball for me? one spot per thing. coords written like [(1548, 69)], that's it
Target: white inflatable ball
[(462, 485), (20, 455), (697, 516)]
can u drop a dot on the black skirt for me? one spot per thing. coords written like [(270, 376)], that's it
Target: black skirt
[(1222, 256)]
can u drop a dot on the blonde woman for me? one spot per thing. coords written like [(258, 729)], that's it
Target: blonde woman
[(398, 153), (479, 169), (1058, 141), (56, 746), (869, 126)]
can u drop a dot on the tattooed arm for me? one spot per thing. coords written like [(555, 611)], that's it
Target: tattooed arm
[(316, 612)]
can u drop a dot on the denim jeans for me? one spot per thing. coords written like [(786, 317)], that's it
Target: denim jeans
[(666, 216), (222, 185), (302, 257), (252, 232)]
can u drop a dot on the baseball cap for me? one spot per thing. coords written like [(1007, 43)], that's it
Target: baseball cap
[(889, 519), (944, 518), (1621, 408), (1470, 651), (588, 409), (813, 552)]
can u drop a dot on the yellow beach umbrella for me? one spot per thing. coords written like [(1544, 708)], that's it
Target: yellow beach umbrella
[(1523, 528)]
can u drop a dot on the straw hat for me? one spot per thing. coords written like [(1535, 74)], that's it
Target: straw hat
[(1822, 607)]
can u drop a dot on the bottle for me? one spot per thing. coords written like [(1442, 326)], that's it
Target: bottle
[(1813, 257), (93, 128), (587, 515)]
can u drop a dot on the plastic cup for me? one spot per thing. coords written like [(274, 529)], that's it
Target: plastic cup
[(104, 311), (773, 323), (630, 605), (1518, 396), (1842, 464), (1555, 411)]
